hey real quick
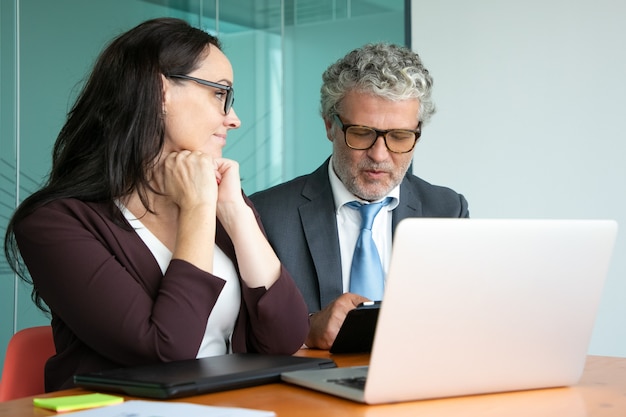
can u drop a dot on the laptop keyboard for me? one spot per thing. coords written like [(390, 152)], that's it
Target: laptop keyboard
[(356, 382)]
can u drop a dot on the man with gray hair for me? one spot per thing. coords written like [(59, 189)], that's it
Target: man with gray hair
[(374, 103)]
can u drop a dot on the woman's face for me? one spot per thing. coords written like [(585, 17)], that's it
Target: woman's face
[(194, 113)]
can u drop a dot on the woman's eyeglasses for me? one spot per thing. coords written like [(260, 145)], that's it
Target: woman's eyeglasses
[(230, 91)]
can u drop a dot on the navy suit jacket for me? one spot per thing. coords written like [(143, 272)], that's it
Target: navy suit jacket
[(299, 219)]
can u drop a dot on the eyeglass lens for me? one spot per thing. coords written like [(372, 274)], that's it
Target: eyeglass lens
[(361, 137), (230, 99), (230, 91)]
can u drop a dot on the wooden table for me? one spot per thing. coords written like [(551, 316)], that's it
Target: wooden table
[(600, 392)]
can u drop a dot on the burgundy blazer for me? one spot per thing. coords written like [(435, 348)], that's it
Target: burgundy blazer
[(112, 306)]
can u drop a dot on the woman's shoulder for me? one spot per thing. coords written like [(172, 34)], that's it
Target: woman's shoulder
[(63, 209), (72, 205)]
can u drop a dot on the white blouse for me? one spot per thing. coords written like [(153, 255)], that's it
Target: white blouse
[(221, 322)]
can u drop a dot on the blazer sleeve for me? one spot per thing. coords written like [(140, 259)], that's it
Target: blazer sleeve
[(273, 320), (104, 285), (277, 317)]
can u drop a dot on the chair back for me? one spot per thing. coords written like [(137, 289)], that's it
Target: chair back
[(27, 353)]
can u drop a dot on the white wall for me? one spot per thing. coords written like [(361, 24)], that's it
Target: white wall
[(531, 119)]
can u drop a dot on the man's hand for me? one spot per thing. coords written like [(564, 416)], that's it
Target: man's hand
[(326, 323)]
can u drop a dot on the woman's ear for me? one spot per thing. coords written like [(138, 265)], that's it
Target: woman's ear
[(165, 82)]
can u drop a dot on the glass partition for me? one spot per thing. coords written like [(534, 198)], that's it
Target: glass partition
[(278, 49)]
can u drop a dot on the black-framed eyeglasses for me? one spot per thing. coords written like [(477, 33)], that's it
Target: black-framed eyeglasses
[(230, 91), (363, 137)]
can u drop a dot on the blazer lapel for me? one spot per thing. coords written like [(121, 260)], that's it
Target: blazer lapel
[(410, 205), (320, 229)]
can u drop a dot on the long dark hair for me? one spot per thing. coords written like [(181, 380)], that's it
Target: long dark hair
[(114, 131)]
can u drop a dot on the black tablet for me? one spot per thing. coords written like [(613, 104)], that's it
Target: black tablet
[(357, 331)]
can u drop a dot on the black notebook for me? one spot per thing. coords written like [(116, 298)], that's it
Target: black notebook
[(198, 376)]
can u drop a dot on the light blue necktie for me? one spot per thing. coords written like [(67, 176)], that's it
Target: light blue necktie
[(367, 277)]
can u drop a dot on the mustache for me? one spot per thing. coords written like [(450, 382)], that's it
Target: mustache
[(373, 166)]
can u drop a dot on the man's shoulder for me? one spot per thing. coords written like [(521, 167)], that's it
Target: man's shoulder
[(291, 184), (435, 200), (416, 183), (295, 187), (282, 190)]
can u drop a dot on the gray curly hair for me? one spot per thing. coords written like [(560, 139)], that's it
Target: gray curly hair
[(386, 70)]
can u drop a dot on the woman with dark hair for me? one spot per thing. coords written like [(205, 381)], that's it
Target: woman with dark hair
[(141, 244)]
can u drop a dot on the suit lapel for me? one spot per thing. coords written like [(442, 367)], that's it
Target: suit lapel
[(410, 205), (320, 229)]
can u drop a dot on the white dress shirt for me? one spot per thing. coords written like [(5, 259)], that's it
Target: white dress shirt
[(349, 225)]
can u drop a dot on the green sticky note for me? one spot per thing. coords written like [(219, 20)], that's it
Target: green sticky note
[(77, 402)]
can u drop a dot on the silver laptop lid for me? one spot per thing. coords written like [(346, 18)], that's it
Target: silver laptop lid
[(476, 305)]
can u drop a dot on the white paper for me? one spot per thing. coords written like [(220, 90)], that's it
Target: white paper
[(136, 408)]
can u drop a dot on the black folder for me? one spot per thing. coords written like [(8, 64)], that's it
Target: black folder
[(198, 376)]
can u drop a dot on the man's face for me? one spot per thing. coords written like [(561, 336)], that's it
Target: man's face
[(372, 173)]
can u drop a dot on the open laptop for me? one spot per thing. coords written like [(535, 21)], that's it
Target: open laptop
[(476, 306), (198, 376)]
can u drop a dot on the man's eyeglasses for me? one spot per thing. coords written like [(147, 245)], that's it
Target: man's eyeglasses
[(230, 91), (363, 137)]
